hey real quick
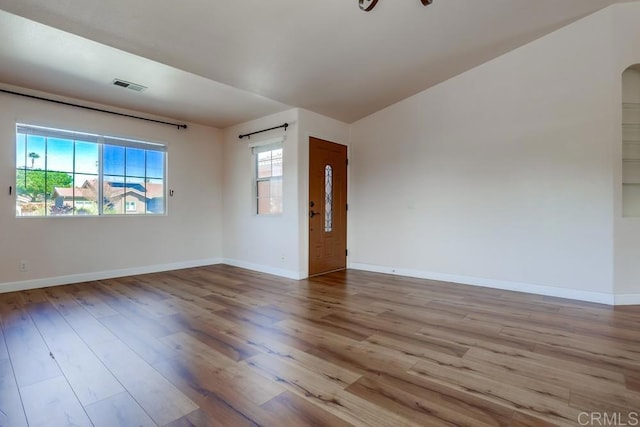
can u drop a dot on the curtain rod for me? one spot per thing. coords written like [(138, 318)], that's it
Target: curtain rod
[(248, 135), (39, 98)]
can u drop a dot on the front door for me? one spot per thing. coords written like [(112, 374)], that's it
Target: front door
[(327, 206)]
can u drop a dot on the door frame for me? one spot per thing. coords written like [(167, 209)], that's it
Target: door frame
[(304, 206)]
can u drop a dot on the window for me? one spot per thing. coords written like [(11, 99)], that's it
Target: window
[(268, 167), (66, 173)]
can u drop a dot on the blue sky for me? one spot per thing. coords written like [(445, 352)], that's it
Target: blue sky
[(118, 161)]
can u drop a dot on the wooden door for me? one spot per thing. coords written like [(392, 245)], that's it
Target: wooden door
[(327, 206)]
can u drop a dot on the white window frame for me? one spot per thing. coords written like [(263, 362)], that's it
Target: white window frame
[(261, 147), (100, 141)]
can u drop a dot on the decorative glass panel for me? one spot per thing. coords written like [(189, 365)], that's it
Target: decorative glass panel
[(328, 198)]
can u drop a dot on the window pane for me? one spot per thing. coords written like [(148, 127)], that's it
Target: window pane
[(60, 155), (58, 192), (264, 164), (113, 160), (21, 151), (276, 196), (60, 199), (113, 195), (86, 158), (135, 196), (35, 152), (155, 164), (86, 195), (135, 162), (276, 167), (264, 197), (264, 189), (30, 193), (155, 196)]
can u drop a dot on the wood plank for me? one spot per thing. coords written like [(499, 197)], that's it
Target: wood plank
[(407, 404), (119, 410), (333, 372), (443, 398), (207, 331), (324, 393), (11, 411), (219, 402), (292, 410), (158, 397), (198, 418), (29, 354), (85, 294), (137, 337), (90, 380), (529, 401), (349, 354), (551, 370), (52, 403), (526, 420), (226, 370)]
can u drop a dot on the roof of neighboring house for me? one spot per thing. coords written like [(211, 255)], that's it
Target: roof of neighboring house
[(64, 192), (111, 190)]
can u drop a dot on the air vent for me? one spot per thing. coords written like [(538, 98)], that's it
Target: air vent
[(129, 85)]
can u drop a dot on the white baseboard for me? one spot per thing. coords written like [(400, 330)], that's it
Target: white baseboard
[(627, 299), (289, 274), (102, 275), (574, 294), (597, 297)]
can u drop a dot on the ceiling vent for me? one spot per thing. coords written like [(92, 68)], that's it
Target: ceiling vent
[(129, 85)]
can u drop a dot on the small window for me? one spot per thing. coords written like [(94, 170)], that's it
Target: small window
[(67, 173), (268, 169)]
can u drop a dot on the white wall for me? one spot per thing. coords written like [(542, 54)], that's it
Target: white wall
[(275, 244), (64, 250), (502, 176), (266, 243)]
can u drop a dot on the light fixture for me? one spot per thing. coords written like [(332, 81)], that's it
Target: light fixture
[(368, 5)]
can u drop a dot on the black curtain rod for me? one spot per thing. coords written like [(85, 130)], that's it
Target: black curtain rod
[(248, 135), (39, 98)]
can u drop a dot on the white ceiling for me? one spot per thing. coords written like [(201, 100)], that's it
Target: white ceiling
[(221, 62)]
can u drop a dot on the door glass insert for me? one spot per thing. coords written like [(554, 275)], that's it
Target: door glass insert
[(328, 198)]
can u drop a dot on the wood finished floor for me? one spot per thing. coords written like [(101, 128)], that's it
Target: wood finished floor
[(224, 346)]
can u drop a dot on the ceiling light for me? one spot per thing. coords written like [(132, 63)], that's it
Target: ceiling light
[(368, 5)]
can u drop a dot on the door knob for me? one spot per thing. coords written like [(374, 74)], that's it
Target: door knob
[(312, 214)]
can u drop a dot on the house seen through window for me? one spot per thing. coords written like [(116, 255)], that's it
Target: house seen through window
[(66, 173)]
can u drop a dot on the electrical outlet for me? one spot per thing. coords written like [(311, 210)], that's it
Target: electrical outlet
[(23, 266)]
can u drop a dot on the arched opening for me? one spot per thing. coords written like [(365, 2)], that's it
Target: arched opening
[(631, 141)]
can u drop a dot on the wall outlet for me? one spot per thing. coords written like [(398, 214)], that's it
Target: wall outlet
[(23, 266)]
